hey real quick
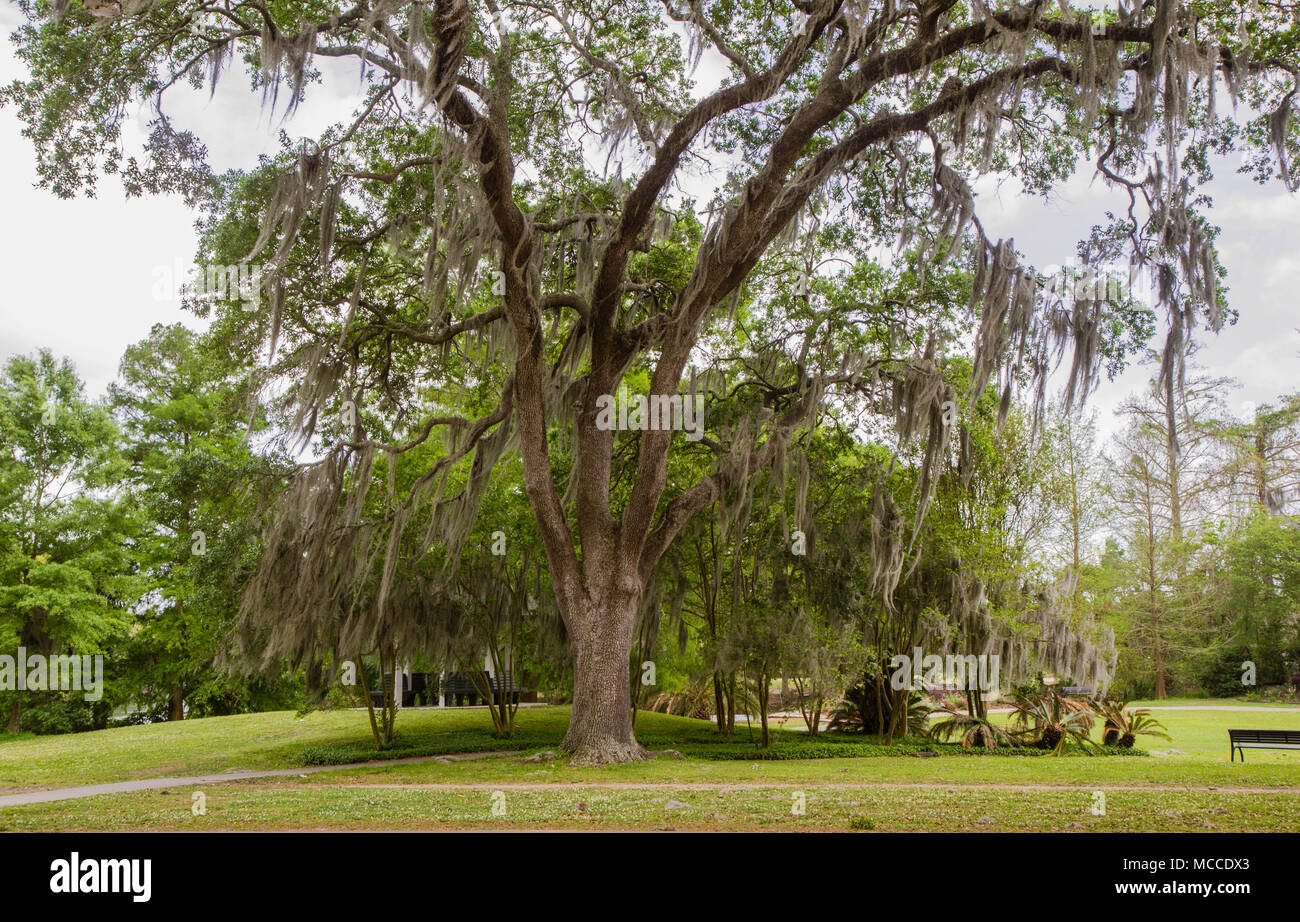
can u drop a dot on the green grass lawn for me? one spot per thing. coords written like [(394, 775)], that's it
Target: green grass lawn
[(249, 806), (1212, 702), (283, 740), (719, 784)]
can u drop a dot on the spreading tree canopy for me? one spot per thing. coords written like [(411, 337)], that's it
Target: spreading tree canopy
[(536, 204)]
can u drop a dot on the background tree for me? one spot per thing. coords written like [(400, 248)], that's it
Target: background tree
[(65, 580), (194, 483), (1253, 581), (1162, 488), (1263, 458), (1078, 482)]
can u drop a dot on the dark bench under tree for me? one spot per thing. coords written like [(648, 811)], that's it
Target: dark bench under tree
[(1241, 740), (459, 688)]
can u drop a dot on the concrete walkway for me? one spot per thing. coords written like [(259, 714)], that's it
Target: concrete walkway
[(1268, 709), (792, 716), (149, 784), (729, 787)]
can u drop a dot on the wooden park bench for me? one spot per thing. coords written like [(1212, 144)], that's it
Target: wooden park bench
[(460, 687), (422, 687), (1261, 739), (377, 695), (502, 685)]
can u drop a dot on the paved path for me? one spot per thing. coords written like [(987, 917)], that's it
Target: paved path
[(814, 786), (148, 784), (795, 722), (1216, 707)]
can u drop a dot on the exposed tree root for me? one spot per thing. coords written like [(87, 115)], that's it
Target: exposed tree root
[(605, 751)]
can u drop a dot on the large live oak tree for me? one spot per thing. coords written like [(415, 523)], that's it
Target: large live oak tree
[(494, 140)]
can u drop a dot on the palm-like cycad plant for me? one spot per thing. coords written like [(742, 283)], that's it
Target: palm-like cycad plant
[(1122, 725), (973, 729), (860, 712), (695, 699), (1049, 720)]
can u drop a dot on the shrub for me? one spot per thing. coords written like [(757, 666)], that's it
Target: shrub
[(1220, 673), (856, 712)]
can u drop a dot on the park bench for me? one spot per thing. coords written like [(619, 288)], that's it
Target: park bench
[(460, 687), (421, 686), (424, 689), (503, 685), (1261, 739), (377, 695)]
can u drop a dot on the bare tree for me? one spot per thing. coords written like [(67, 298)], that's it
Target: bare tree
[(1262, 467), (1163, 485)]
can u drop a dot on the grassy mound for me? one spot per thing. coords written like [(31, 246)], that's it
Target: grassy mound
[(543, 728)]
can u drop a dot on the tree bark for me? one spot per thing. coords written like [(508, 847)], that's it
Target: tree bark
[(1162, 691), (178, 704), (15, 715), (600, 725), (719, 703)]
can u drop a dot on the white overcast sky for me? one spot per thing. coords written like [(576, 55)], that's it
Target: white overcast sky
[(80, 273)]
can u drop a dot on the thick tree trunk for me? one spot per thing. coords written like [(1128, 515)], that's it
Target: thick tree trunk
[(178, 704), (16, 715), (600, 726)]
